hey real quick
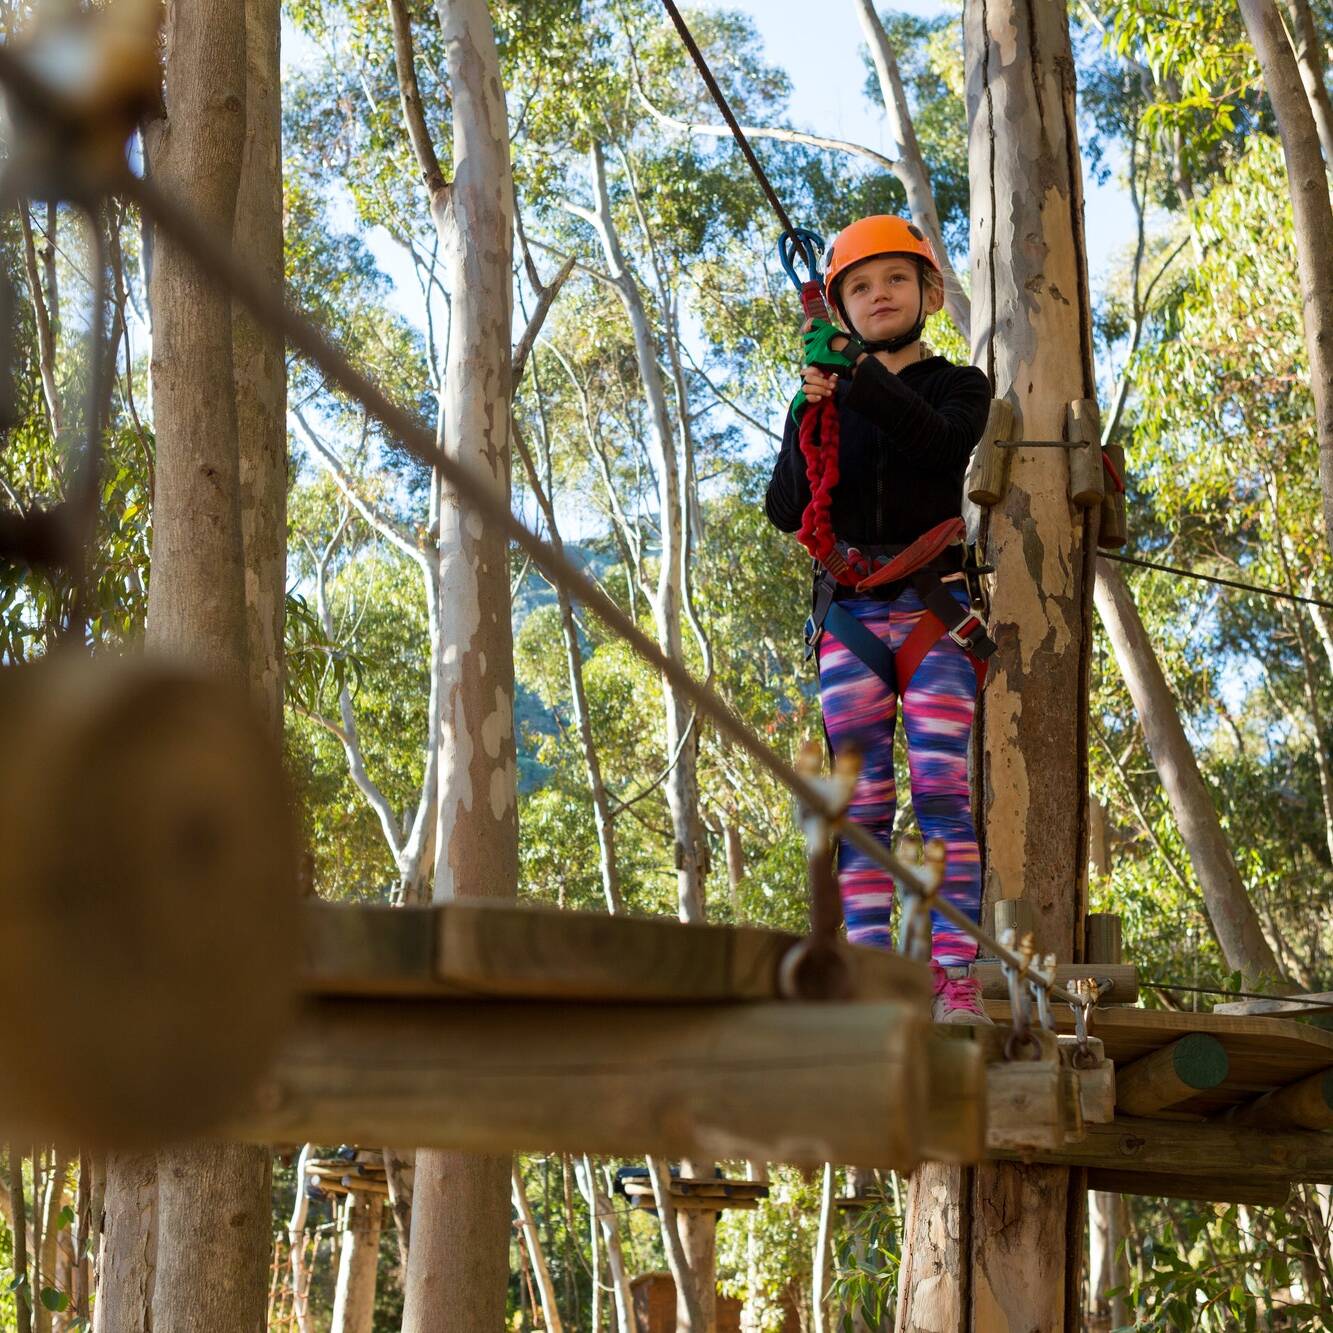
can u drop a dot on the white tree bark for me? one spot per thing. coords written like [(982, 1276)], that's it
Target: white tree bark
[(458, 1261), (358, 1264), (604, 1215), (910, 167), (1313, 214), (823, 1252), (532, 1238), (1108, 1216), (1229, 907), (682, 787), (690, 1317), (1311, 60)]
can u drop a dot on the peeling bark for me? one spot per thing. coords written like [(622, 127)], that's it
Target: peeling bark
[(358, 1264), (458, 1261)]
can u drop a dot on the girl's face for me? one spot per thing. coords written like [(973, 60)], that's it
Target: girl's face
[(881, 296)]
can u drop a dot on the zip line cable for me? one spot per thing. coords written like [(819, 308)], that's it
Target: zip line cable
[(1215, 578), (725, 108)]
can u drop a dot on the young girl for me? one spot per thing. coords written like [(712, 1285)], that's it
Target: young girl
[(888, 471)]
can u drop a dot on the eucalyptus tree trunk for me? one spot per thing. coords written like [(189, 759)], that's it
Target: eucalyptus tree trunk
[(532, 1239), (999, 1246), (1308, 181), (458, 1263), (165, 1261), (909, 165), (296, 1233), (51, 1202), (691, 1315), (604, 1215), (1234, 919), (358, 1264), (682, 784), (1311, 60)]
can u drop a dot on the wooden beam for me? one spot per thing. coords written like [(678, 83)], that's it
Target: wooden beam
[(1103, 937), (788, 1082), (1200, 1189), (1171, 1074), (503, 950), (1206, 1149), (1316, 1002), (1124, 979), (1307, 1104)]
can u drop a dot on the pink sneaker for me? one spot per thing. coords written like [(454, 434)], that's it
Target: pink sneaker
[(957, 997)]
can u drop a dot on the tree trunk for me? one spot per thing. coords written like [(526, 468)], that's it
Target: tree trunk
[(51, 1203), (689, 1309), (822, 1271), (698, 1236), (1109, 1266), (602, 1211), (1308, 181), (528, 1225), (1310, 59), (682, 785), (259, 365), (127, 1263), (910, 167), (1229, 907), (213, 1199), (998, 1246), (458, 1262), (358, 1264)]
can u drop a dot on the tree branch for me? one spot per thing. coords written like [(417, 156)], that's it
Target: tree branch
[(545, 300), (414, 116)]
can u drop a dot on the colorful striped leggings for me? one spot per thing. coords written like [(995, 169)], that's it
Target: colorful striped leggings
[(937, 711)]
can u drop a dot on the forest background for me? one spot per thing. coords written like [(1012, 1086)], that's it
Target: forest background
[(631, 222)]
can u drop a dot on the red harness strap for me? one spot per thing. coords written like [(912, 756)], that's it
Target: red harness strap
[(928, 631), (921, 552)]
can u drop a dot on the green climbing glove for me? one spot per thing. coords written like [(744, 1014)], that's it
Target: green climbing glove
[(815, 351)]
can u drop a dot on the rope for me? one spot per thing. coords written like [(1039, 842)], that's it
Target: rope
[(725, 108), (1215, 578)]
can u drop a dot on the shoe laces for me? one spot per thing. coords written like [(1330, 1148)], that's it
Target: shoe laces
[(962, 993)]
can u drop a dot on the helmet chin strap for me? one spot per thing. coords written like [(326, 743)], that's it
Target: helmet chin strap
[(903, 339)]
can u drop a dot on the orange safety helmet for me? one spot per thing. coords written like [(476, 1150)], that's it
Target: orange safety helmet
[(869, 238)]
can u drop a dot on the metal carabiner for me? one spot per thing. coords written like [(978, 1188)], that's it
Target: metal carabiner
[(809, 247)]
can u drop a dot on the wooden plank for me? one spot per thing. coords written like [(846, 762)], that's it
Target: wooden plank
[(955, 1128), (1171, 1074), (783, 1082), (1211, 1149), (1202, 1189), (525, 952), (1316, 1002), (1103, 937), (1124, 979), (1307, 1104), (1263, 1053)]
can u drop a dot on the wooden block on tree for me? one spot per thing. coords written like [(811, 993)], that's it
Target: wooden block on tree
[(1012, 914), (1103, 938), (1197, 1189), (1113, 532), (785, 1082), (1171, 1074), (1096, 1085), (1124, 979), (988, 468), (1086, 485), (1307, 1104)]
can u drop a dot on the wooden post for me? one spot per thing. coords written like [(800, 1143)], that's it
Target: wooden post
[(1000, 1247), (1307, 1104), (1103, 938), (1171, 1074)]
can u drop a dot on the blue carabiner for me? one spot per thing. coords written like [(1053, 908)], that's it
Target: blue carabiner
[(808, 246)]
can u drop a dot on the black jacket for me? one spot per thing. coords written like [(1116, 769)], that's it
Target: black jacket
[(906, 439)]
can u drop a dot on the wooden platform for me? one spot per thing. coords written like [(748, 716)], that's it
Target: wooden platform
[(501, 950), (1263, 1054)]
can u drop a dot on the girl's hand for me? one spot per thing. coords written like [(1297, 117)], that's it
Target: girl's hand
[(818, 385)]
